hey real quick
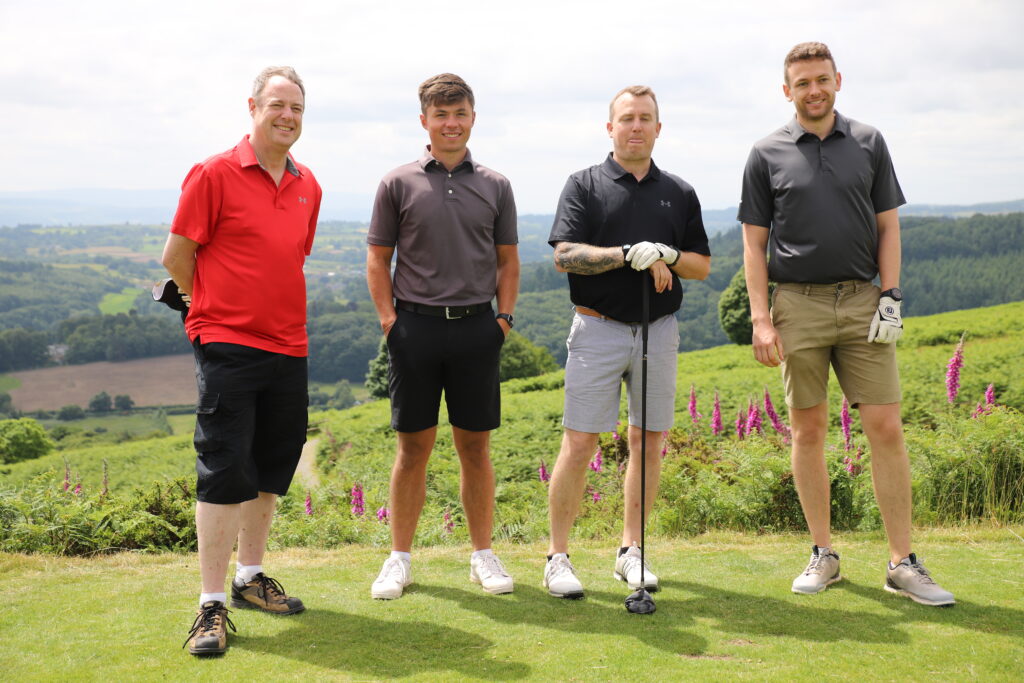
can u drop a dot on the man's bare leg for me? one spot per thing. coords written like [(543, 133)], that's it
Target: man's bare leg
[(810, 475), (476, 484), (409, 485), (568, 480), (890, 473), (216, 529), (631, 485)]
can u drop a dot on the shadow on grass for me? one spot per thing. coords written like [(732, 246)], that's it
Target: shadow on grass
[(381, 648), (600, 612)]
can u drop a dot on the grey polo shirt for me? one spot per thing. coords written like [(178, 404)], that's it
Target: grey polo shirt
[(445, 226), (819, 198)]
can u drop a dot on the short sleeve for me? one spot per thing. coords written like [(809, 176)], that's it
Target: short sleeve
[(695, 238), (757, 205), (885, 190), (198, 207), (505, 229), (570, 216), (384, 220)]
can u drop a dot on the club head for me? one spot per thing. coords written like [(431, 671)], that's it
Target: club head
[(166, 292), (640, 602)]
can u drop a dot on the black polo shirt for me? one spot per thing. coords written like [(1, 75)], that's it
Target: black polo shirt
[(819, 199), (605, 206)]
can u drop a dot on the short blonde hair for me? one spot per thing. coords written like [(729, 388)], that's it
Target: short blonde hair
[(635, 91)]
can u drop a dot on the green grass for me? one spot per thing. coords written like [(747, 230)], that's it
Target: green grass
[(135, 422), (725, 613), (182, 424), (7, 383), (112, 304)]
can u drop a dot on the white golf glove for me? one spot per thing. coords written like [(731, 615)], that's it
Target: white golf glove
[(642, 255), (670, 255), (887, 325)]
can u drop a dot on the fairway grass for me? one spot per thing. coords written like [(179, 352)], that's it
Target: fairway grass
[(725, 612)]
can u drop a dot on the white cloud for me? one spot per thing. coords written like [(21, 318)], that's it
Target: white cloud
[(130, 94)]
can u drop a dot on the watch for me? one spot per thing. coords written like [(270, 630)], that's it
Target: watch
[(895, 294), (625, 251), (507, 317)]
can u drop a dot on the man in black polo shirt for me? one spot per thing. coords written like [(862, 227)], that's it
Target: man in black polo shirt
[(620, 226), (453, 222), (820, 195)]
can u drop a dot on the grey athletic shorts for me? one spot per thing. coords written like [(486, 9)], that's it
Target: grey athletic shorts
[(603, 353)]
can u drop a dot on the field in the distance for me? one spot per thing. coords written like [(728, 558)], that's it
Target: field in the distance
[(165, 380)]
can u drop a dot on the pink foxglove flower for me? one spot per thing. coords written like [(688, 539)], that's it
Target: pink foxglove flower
[(769, 408), (716, 417), (615, 435), (597, 464), (845, 421), (78, 489), (67, 475), (990, 395), (449, 525), (383, 514), (753, 419), (106, 482), (741, 424), (595, 495), (309, 504), (542, 472), (695, 416), (358, 508), (953, 371)]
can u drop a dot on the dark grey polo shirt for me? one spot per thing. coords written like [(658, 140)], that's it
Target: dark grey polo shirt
[(605, 206), (819, 198), (445, 227)]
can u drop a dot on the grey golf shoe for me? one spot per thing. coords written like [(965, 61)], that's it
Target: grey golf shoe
[(822, 571), (911, 579)]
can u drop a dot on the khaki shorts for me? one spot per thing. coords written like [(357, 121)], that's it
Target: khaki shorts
[(828, 324)]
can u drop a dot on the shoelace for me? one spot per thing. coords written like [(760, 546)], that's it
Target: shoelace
[(560, 566), (922, 573), (392, 569), (268, 586), (492, 564), (814, 566), (206, 620), (631, 563)]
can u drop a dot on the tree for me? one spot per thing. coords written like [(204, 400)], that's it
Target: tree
[(522, 358), (343, 396), (71, 412), (124, 402), (23, 439), (100, 403), (6, 407), (377, 373), (734, 309)]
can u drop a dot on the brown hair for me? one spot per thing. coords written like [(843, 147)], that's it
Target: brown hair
[(635, 91), (806, 52), (444, 89), (285, 71)]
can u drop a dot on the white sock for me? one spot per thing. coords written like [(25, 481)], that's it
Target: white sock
[(244, 573), (481, 553), (401, 555), (204, 598)]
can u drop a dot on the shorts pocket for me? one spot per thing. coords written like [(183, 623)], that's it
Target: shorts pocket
[(206, 435)]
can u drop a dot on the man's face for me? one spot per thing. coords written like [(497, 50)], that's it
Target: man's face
[(277, 114), (448, 126), (812, 88), (634, 127)]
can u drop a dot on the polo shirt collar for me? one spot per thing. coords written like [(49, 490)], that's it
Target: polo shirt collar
[(427, 161), (840, 127), (614, 170), (247, 157)]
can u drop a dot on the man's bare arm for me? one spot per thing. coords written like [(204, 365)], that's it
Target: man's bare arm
[(508, 280), (378, 279), (888, 248), (766, 344), (586, 259), (692, 266), (179, 258)]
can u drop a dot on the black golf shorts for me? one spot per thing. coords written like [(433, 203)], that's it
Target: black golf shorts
[(250, 421), (430, 354)]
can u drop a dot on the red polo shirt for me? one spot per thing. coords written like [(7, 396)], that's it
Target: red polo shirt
[(254, 237)]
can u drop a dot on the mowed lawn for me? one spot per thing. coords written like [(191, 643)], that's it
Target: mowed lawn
[(725, 612)]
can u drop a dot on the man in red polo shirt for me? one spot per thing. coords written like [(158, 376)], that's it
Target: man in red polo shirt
[(244, 225)]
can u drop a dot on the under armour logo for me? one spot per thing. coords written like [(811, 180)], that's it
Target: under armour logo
[(665, 203), (303, 200)]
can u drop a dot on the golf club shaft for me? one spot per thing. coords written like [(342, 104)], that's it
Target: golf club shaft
[(645, 314)]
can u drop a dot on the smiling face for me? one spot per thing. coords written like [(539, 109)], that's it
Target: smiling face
[(277, 115), (634, 128), (448, 126), (811, 85)]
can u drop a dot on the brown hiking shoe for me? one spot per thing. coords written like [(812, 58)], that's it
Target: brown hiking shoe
[(209, 634), (266, 594)]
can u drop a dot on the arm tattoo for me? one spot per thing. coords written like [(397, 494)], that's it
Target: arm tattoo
[(585, 259)]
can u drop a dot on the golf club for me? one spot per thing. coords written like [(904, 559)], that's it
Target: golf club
[(640, 601)]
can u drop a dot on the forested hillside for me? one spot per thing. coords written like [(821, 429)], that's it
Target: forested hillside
[(66, 273)]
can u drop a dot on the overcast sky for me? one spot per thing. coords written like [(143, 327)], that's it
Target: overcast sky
[(129, 95)]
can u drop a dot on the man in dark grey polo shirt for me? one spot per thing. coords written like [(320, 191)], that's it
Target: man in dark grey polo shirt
[(821, 197), (453, 223), (621, 226)]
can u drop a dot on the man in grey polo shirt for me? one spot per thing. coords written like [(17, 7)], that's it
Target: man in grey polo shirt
[(621, 226), (821, 197), (453, 222)]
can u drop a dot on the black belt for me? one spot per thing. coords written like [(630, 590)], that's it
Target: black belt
[(448, 312)]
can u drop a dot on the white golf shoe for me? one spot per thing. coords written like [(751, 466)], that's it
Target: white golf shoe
[(560, 578), (822, 571), (394, 576), (627, 568), (488, 571)]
